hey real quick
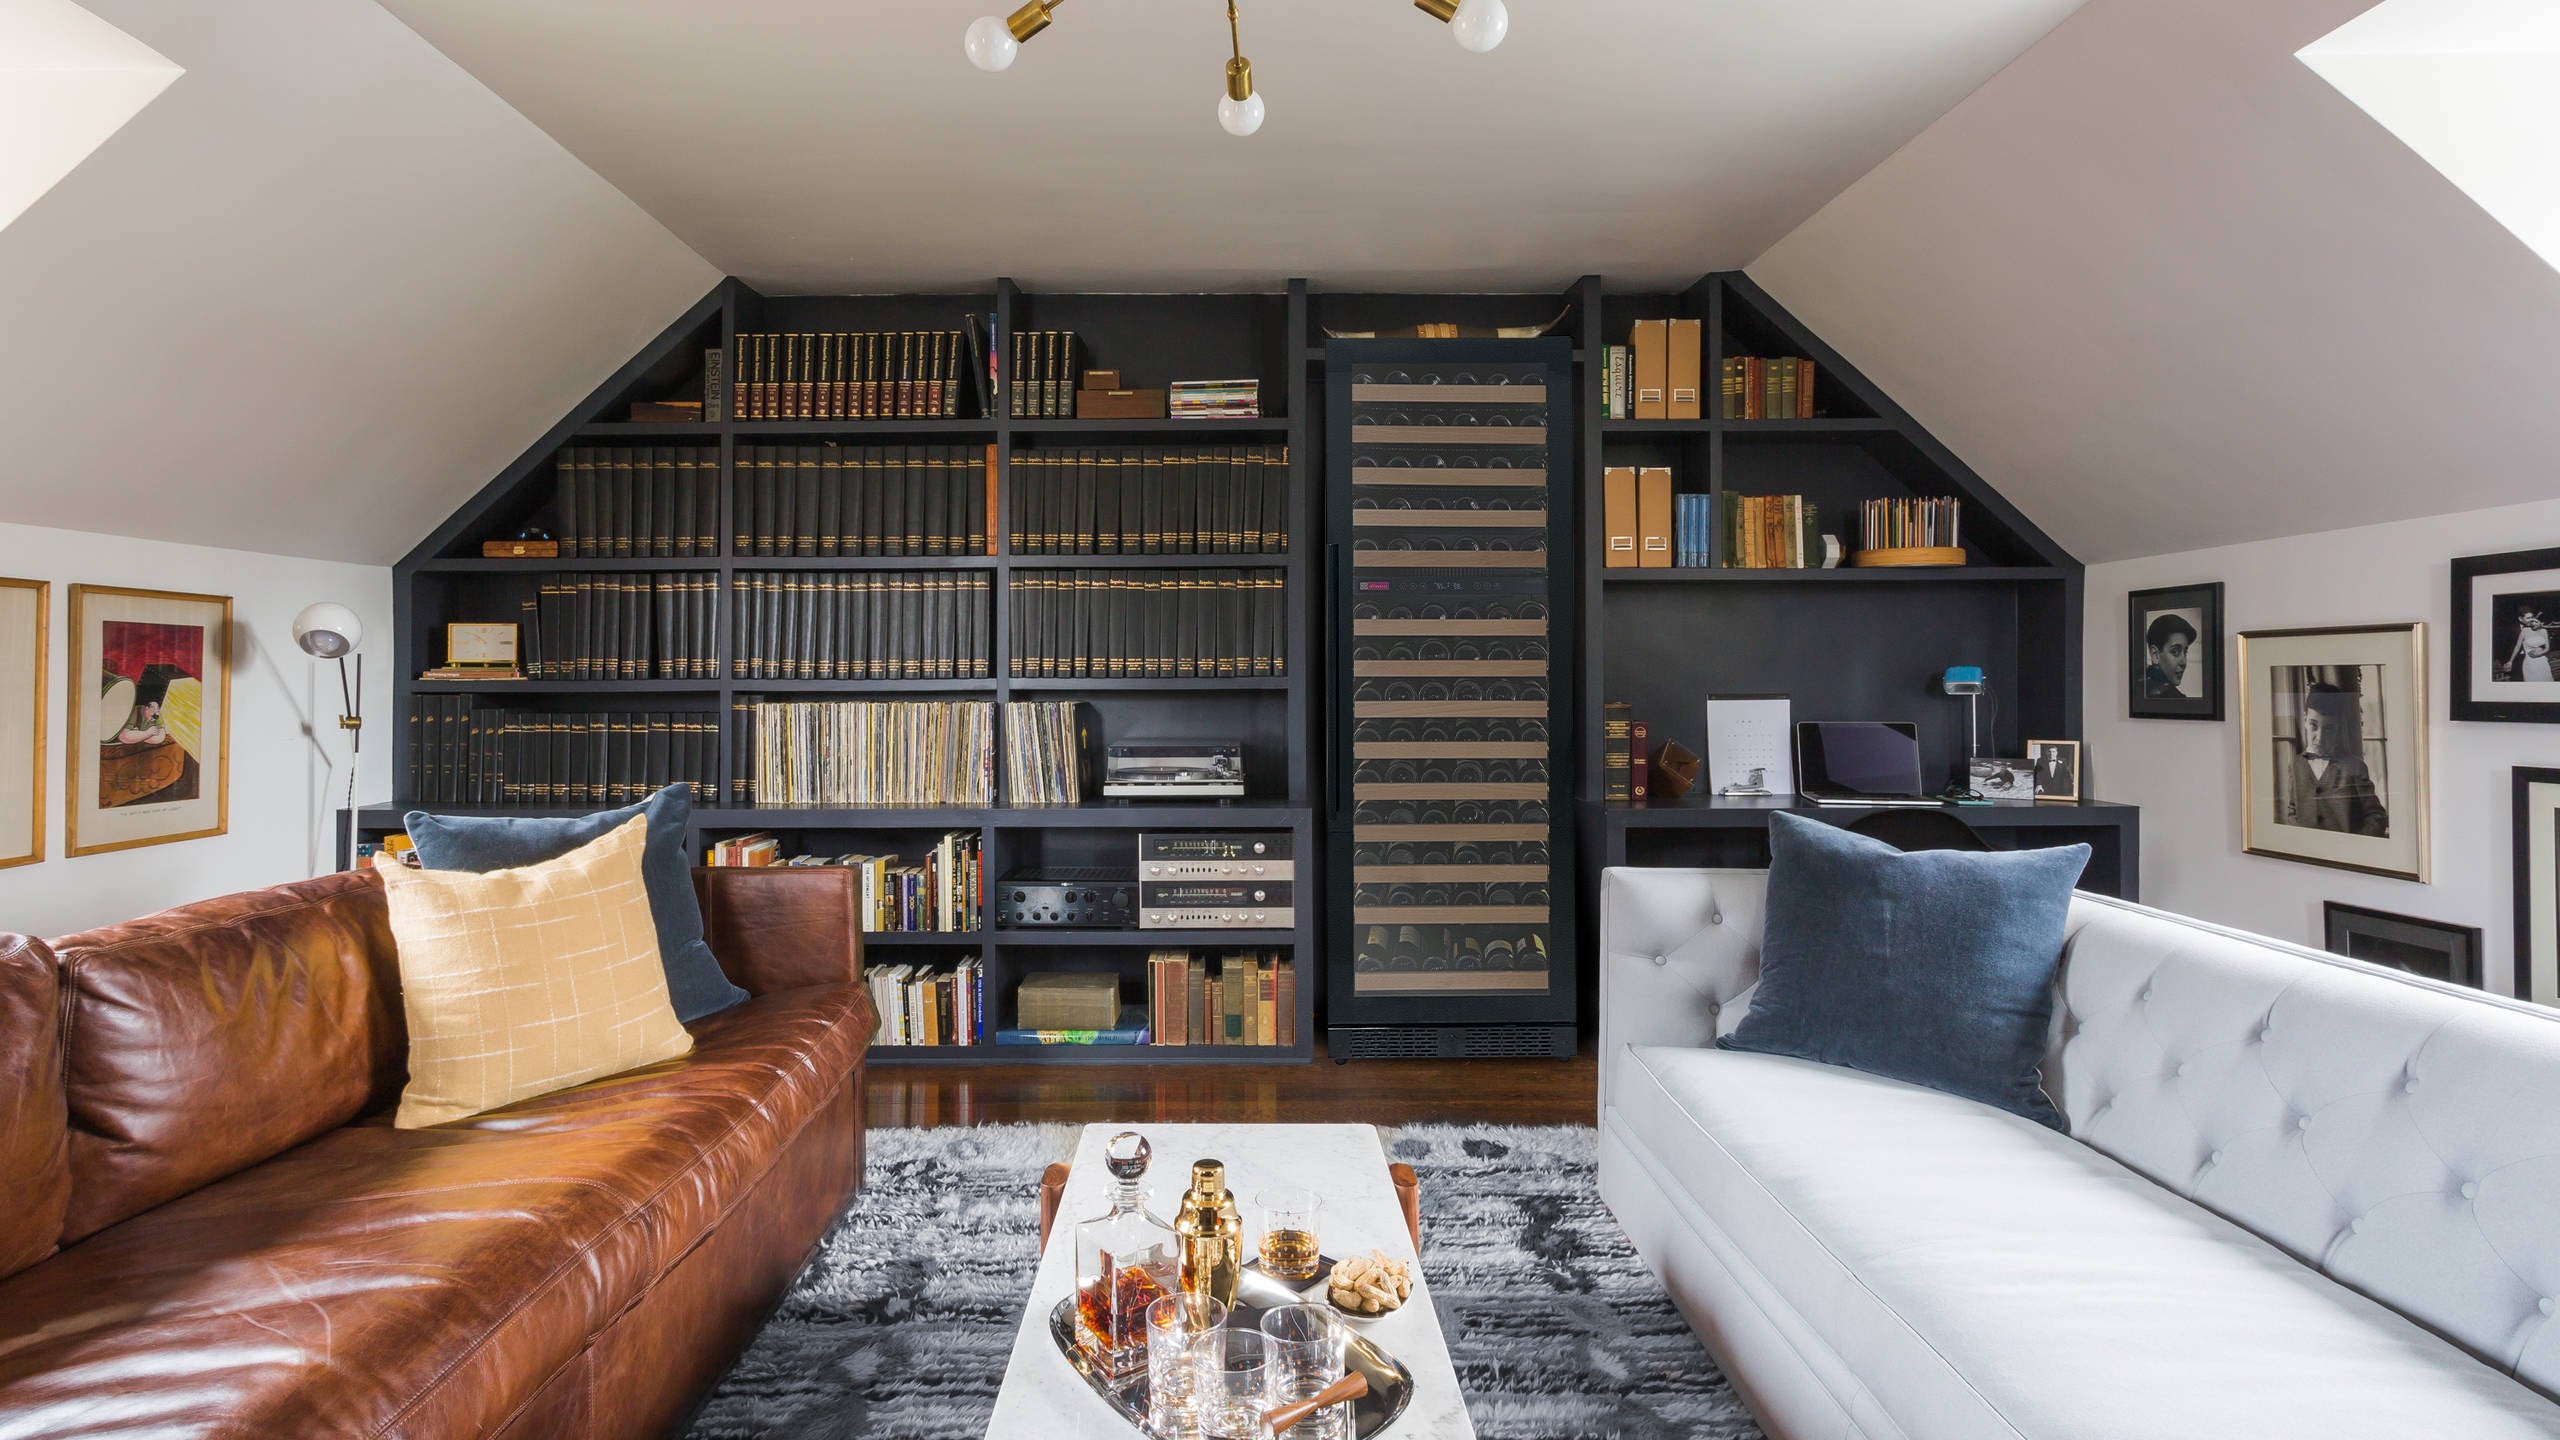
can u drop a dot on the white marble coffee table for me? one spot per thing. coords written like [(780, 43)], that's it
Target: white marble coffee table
[(1044, 1399)]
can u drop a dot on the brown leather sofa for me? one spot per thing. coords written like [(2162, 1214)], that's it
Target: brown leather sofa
[(208, 1226)]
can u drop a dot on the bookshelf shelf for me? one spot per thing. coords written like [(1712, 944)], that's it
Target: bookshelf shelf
[(566, 687), (1130, 1055), (937, 939), (1149, 562), (751, 430), (1827, 426), (630, 430), (1149, 939), (1266, 426), (476, 565), (857, 562), (857, 689), (1845, 575), (1177, 686)]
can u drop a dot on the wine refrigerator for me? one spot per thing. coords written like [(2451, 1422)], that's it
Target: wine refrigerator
[(1449, 556)]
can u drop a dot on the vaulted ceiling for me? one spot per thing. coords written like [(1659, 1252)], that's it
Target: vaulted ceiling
[(817, 146), (2165, 288), (314, 295), (2145, 270)]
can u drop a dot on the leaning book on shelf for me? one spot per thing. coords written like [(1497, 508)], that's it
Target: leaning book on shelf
[(921, 1005)]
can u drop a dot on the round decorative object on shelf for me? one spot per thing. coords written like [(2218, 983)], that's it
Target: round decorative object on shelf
[(1909, 556)]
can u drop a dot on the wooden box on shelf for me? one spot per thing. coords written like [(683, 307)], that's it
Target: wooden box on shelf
[(1120, 404), (520, 549)]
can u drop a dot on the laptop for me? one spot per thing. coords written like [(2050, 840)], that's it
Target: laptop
[(1859, 762)]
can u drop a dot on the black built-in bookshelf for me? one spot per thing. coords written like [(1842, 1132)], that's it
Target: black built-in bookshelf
[(757, 481), (1846, 643)]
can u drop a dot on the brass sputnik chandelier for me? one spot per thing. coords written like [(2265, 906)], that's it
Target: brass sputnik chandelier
[(1476, 25)]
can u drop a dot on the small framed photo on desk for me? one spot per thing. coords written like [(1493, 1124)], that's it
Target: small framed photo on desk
[(2057, 767)]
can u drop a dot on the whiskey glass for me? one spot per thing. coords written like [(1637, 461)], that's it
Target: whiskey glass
[(1290, 1248)]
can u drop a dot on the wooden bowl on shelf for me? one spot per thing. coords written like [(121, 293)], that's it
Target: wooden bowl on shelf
[(1912, 555)]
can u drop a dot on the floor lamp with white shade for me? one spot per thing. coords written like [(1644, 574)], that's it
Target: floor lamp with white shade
[(327, 630)]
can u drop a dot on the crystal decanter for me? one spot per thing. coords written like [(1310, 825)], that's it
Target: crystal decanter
[(1125, 1261)]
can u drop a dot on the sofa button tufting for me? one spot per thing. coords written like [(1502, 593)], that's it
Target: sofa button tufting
[(2214, 1159), (2183, 1068), (2410, 1088), (2266, 1033), (2356, 1226), (2470, 1191), (1661, 959), (2302, 1122), (2547, 1307)]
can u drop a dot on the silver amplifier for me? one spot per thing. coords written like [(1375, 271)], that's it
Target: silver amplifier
[(1217, 905)]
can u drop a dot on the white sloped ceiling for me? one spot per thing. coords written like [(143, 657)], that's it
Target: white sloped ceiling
[(312, 297), (2166, 288)]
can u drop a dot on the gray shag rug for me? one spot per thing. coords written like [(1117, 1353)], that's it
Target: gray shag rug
[(901, 1327)]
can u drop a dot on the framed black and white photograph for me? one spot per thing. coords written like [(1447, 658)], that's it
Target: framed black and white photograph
[(2537, 859), (2333, 735), (2057, 768), (2173, 646), (2004, 781), (2431, 948), (2505, 608)]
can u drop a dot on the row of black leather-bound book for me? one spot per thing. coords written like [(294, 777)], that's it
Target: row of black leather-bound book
[(1151, 500), (616, 626), (822, 500), (863, 625), (859, 375), (462, 754), (638, 502), (1148, 624)]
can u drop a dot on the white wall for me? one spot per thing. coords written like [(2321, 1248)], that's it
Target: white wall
[(2186, 774), (280, 766)]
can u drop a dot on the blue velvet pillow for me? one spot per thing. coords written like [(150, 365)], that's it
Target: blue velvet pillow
[(1934, 967), (695, 984)]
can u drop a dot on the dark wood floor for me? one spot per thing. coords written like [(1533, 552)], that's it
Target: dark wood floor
[(1371, 1092)]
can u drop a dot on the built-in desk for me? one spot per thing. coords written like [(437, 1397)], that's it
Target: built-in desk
[(1734, 834)]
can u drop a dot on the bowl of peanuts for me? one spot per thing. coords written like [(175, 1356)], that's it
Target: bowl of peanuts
[(1364, 1287)]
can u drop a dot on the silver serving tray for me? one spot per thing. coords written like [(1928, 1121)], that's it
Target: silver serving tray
[(1390, 1383)]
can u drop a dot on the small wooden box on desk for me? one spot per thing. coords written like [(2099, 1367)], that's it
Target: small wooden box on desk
[(1715, 833)]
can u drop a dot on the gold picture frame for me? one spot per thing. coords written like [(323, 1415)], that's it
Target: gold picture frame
[(26, 634), (2322, 710), (147, 755)]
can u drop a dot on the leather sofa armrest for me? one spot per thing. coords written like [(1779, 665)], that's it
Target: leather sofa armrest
[(781, 927)]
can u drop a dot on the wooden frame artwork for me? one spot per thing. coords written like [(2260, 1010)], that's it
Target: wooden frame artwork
[(25, 659), (148, 753), (2173, 653), (2056, 768), (2333, 747)]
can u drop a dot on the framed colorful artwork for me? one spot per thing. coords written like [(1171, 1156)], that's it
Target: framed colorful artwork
[(2333, 747), (24, 618), (150, 719)]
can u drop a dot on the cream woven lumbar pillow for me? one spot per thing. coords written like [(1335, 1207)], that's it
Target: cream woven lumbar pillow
[(521, 982)]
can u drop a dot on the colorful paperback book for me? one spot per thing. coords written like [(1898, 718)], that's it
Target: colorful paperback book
[(1126, 1035)]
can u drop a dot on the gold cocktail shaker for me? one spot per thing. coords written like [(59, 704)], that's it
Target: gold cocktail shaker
[(1210, 1234)]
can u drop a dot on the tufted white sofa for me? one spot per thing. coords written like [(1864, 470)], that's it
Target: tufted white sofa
[(2302, 1198)]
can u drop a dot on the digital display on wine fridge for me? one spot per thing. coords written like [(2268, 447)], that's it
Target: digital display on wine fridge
[(1447, 677)]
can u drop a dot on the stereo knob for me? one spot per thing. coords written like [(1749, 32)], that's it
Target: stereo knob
[(1260, 846), (1258, 897), (1017, 897)]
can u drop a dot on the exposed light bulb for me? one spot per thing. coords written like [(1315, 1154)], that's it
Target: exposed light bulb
[(1240, 117), (1479, 25), (991, 46)]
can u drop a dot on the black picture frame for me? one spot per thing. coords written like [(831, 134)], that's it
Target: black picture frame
[(2206, 650), (2404, 942), (2527, 816), (2473, 635)]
